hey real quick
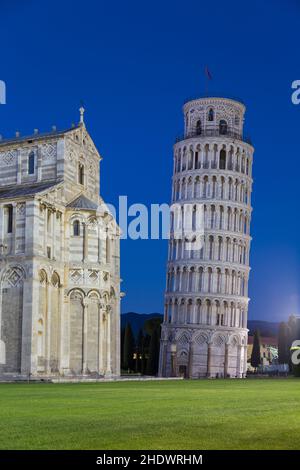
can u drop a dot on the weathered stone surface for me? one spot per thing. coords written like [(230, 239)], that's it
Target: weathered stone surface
[(59, 313)]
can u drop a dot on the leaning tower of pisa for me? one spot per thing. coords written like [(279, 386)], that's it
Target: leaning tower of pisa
[(204, 333)]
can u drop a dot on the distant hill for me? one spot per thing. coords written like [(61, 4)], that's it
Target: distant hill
[(137, 321)]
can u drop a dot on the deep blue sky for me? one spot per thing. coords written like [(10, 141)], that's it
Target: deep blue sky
[(134, 63)]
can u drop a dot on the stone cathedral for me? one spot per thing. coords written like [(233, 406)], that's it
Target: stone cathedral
[(59, 259), (204, 333)]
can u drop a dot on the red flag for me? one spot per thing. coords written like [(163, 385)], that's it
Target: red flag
[(207, 73)]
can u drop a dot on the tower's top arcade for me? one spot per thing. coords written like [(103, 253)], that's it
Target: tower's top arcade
[(213, 116)]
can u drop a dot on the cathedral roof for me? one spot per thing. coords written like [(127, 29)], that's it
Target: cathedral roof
[(82, 202), (36, 136), (25, 189)]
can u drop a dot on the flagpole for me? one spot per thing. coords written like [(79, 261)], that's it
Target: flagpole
[(207, 78)]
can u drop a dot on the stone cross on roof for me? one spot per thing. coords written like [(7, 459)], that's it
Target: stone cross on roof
[(81, 110)]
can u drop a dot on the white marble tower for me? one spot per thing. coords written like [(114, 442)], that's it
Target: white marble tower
[(204, 333)]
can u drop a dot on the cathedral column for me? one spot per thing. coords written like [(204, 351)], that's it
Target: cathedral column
[(62, 236), (14, 234), (45, 228), (85, 337), (99, 243), (66, 238), (2, 250), (48, 333), (19, 174), (53, 234), (108, 341), (85, 242), (60, 322), (30, 303), (64, 334), (39, 165), (100, 339)]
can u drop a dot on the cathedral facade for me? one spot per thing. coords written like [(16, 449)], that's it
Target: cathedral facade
[(204, 333), (59, 259)]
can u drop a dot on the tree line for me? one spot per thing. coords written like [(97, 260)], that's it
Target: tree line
[(141, 354)]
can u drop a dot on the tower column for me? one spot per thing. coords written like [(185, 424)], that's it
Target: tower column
[(208, 373), (226, 360)]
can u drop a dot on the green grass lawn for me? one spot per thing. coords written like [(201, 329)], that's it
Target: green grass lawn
[(203, 414)]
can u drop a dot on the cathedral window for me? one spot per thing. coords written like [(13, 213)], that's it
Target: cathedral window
[(31, 162), (80, 174), (48, 221), (211, 115), (76, 228), (223, 127), (8, 211)]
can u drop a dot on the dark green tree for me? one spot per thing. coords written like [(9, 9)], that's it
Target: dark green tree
[(122, 347), (293, 328), (129, 349), (139, 351), (145, 353), (151, 324), (153, 358), (255, 356), (283, 344)]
